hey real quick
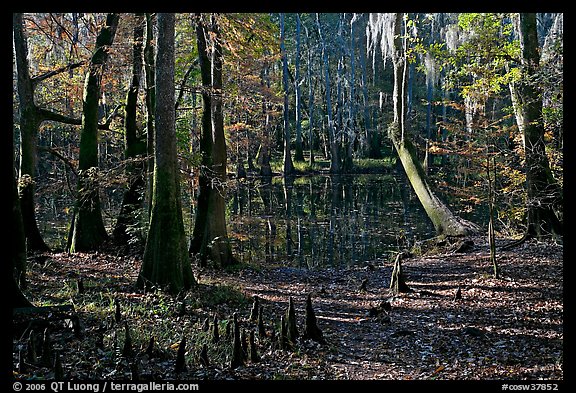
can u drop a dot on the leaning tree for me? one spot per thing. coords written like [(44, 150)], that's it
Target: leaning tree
[(386, 31)]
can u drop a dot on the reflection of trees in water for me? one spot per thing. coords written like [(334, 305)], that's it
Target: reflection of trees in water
[(307, 221), (323, 220)]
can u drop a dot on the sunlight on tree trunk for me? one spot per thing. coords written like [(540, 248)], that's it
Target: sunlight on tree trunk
[(444, 221), (88, 226), (166, 263)]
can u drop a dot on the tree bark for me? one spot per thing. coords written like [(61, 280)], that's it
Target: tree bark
[(544, 194), (199, 238), (166, 263), (149, 72), (134, 147), (288, 165), (299, 152), (210, 237), (89, 232), (310, 99), (334, 156), (30, 120), (18, 271)]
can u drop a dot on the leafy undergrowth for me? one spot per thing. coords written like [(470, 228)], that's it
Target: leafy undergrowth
[(499, 329)]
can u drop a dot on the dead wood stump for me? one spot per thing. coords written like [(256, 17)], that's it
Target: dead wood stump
[(398, 280), (458, 294), (228, 330), (80, 285), (134, 371), (255, 308)]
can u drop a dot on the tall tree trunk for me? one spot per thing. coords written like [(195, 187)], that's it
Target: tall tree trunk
[(444, 221), (221, 250), (149, 72), (299, 153), (264, 152), (17, 272), (199, 240), (210, 237), (544, 193), (18, 265), (288, 165), (369, 141), (166, 263), (350, 122), (334, 154), (310, 98), (133, 145), (89, 232), (340, 127), (30, 120)]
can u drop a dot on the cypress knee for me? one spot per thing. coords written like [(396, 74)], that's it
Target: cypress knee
[(127, 349), (237, 359), (291, 328), (204, 356), (312, 331), (215, 332), (47, 349), (180, 359), (254, 357), (261, 329), (58, 369)]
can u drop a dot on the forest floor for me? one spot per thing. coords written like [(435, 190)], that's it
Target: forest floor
[(509, 328)]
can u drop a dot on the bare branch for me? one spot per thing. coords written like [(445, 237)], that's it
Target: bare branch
[(39, 78), (56, 153)]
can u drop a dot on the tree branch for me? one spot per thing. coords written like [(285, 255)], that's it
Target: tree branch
[(186, 75), (56, 153), (49, 115), (39, 78)]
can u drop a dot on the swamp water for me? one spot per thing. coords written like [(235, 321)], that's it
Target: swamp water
[(309, 222), (324, 221)]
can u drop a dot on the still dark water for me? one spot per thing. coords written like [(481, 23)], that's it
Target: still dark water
[(311, 221), (321, 221)]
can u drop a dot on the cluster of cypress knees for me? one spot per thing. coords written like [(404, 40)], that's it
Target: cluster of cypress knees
[(243, 348), (39, 350)]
